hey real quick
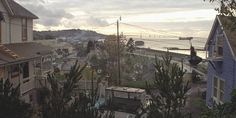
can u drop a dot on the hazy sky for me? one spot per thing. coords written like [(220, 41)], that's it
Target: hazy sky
[(180, 17)]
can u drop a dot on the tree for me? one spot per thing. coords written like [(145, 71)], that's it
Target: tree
[(227, 8), (90, 46), (226, 110), (55, 101), (168, 92), (10, 104), (130, 46), (61, 100), (107, 56)]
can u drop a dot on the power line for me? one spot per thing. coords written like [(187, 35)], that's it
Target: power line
[(153, 30)]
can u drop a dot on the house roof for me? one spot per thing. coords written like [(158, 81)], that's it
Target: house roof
[(5, 58), (25, 51), (17, 10), (126, 89), (29, 49), (226, 24)]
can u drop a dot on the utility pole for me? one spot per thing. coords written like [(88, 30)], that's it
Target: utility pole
[(118, 51)]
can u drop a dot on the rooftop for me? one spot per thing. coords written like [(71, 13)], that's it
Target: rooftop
[(24, 51), (126, 89), (228, 25), (17, 10)]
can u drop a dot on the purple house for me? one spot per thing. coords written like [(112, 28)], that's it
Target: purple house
[(221, 47)]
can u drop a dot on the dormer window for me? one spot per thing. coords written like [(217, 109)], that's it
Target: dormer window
[(218, 49), (24, 29)]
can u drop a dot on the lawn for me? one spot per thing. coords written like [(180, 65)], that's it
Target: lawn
[(137, 84)]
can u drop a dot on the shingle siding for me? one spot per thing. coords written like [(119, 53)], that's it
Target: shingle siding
[(211, 72), (209, 85), (225, 70), (228, 71)]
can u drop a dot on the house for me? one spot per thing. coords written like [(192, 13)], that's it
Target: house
[(21, 59), (221, 48)]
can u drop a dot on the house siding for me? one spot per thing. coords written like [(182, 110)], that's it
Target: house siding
[(5, 28), (15, 30), (11, 28), (209, 85), (226, 67), (228, 71)]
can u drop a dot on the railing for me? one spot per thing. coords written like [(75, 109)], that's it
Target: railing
[(27, 84), (41, 81), (33, 83)]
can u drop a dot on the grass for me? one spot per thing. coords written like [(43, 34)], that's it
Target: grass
[(137, 84), (60, 77), (198, 103), (87, 73)]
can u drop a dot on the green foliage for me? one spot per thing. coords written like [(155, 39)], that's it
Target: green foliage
[(56, 99), (10, 104), (107, 58), (169, 97), (90, 46), (226, 110), (137, 84), (130, 46), (227, 7), (62, 101)]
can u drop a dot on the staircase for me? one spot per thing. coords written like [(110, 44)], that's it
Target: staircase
[(7, 51)]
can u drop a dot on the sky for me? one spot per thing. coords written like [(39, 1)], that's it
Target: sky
[(146, 17)]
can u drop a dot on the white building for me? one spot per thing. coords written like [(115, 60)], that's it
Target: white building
[(21, 60)]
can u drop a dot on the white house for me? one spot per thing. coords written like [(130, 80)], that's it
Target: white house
[(16, 23), (21, 59)]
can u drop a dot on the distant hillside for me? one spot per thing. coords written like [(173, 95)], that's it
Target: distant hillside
[(72, 34)]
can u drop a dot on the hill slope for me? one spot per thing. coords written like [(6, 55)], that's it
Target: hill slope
[(72, 34)]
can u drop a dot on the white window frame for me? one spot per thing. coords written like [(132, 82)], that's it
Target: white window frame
[(217, 98)]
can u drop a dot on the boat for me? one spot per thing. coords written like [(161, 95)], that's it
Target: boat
[(139, 43)]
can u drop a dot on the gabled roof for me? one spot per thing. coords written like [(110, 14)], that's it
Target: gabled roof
[(25, 51), (29, 49), (16, 10), (226, 23)]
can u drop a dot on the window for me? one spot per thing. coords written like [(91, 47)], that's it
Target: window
[(1, 73), (0, 32), (218, 89), (30, 98), (25, 70), (14, 71), (222, 87), (215, 87), (218, 50), (24, 29)]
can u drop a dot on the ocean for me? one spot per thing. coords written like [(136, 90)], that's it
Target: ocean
[(164, 43)]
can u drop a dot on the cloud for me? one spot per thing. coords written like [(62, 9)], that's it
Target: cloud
[(95, 13), (96, 22), (48, 16)]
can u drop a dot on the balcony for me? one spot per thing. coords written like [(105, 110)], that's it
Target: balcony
[(34, 82), (27, 84)]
